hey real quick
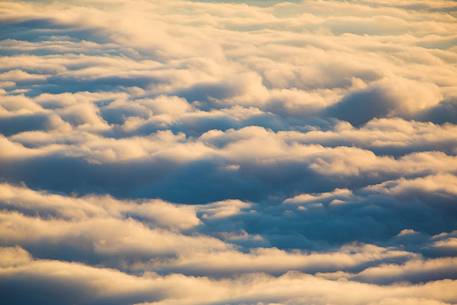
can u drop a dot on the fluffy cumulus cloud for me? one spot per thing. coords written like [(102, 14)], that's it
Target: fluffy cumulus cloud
[(228, 152)]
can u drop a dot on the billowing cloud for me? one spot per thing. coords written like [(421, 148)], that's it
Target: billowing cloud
[(387, 98), (228, 152)]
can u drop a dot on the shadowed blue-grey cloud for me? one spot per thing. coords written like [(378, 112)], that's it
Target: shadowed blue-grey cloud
[(360, 107), (16, 124), (40, 29), (60, 85), (445, 112)]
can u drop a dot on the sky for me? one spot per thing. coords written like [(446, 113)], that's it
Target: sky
[(228, 152)]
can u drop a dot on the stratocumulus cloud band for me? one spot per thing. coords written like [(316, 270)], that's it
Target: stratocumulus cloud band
[(228, 152)]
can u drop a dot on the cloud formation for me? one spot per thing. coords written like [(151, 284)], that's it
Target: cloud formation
[(228, 152)]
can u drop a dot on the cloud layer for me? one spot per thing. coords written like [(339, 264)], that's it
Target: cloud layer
[(228, 152)]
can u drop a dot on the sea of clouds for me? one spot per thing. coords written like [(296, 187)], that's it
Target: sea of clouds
[(240, 152)]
